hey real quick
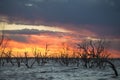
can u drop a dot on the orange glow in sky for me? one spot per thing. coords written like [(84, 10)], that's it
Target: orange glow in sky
[(56, 43), (55, 46)]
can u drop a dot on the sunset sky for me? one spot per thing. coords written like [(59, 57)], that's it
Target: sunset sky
[(32, 24)]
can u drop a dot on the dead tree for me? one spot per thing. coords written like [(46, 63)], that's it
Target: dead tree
[(18, 60), (26, 59), (4, 55), (37, 56), (93, 54), (44, 55), (8, 57), (65, 60), (1, 42), (84, 53)]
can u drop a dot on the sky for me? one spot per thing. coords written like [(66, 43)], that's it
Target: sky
[(35, 23)]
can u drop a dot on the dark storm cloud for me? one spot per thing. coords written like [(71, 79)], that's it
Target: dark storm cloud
[(105, 14)]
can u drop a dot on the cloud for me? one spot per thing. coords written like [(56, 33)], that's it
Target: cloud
[(24, 35), (18, 38), (33, 32), (70, 11), (101, 16), (115, 44), (23, 31), (26, 31)]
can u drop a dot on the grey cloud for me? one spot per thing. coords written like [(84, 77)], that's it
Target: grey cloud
[(23, 35), (19, 38), (23, 31), (104, 14)]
